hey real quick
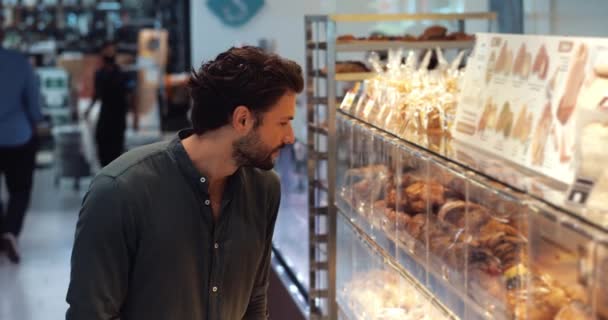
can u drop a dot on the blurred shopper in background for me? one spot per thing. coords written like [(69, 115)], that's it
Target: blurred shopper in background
[(20, 116), (112, 89)]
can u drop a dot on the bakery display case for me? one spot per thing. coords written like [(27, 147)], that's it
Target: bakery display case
[(480, 248), (330, 74)]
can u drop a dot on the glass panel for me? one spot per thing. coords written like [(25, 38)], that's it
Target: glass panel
[(369, 288), (448, 243), (497, 260), (561, 258), (410, 214)]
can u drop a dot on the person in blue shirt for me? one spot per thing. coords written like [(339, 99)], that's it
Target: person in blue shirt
[(20, 116)]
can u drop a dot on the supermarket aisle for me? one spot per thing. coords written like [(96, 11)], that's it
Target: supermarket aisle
[(35, 289)]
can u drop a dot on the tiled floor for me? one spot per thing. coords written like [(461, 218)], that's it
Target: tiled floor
[(35, 289)]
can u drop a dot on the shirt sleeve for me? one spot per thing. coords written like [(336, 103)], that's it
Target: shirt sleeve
[(258, 303), (31, 95), (102, 255)]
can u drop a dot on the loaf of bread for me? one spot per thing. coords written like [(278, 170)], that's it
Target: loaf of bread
[(434, 33)]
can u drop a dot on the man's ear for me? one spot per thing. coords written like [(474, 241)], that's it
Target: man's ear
[(242, 119)]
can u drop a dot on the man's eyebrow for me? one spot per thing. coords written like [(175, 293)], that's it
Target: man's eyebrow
[(287, 118)]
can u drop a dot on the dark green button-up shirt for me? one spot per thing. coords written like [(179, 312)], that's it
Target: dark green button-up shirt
[(147, 247)]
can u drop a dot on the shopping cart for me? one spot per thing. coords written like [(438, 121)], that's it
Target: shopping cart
[(70, 161)]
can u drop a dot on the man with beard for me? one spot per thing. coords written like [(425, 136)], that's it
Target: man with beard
[(182, 230)]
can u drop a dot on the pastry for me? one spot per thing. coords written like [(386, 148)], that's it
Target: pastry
[(460, 36), (409, 37), (420, 193), (349, 67), (434, 33), (378, 37), (574, 311), (346, 37), (574, 82), (415, 226)]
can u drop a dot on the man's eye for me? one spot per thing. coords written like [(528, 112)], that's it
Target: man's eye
[(284, 124)]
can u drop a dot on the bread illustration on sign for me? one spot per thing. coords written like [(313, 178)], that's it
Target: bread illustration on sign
[(487, 117), (523, 125), (541, 63), (541, 135), (504, 122), (574, 82)]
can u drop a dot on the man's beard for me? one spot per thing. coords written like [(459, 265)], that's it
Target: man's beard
[(250, 151)]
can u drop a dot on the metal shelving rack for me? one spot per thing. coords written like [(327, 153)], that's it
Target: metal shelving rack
[(322, 99)]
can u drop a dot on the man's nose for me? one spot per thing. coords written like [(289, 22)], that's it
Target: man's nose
[(290, 137)]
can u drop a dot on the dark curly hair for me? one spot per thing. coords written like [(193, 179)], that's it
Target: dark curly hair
[(244, 76)]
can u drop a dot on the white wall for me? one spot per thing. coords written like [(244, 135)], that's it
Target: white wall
[(566, 17), (281, 20)]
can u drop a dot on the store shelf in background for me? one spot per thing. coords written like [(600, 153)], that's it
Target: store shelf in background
[(412, 17), (324, 100), (364, 45), (350, 76), (316, 128), (439, 288), (356, 76)]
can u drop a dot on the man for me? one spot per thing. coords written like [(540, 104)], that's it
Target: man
[(20, 116), (112, 89), (182, 230)]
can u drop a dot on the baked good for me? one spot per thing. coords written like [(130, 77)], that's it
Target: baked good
[(420, 193), (460, 36), (346, 37), (378, 37), (409, 37), (349, 66), (435, 32)]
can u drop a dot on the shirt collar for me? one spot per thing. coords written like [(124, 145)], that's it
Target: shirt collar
[(192, 175)]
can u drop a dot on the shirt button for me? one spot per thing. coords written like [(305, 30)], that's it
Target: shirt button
[(207, 202), (214, 289), (203, 179), (216, 245)]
